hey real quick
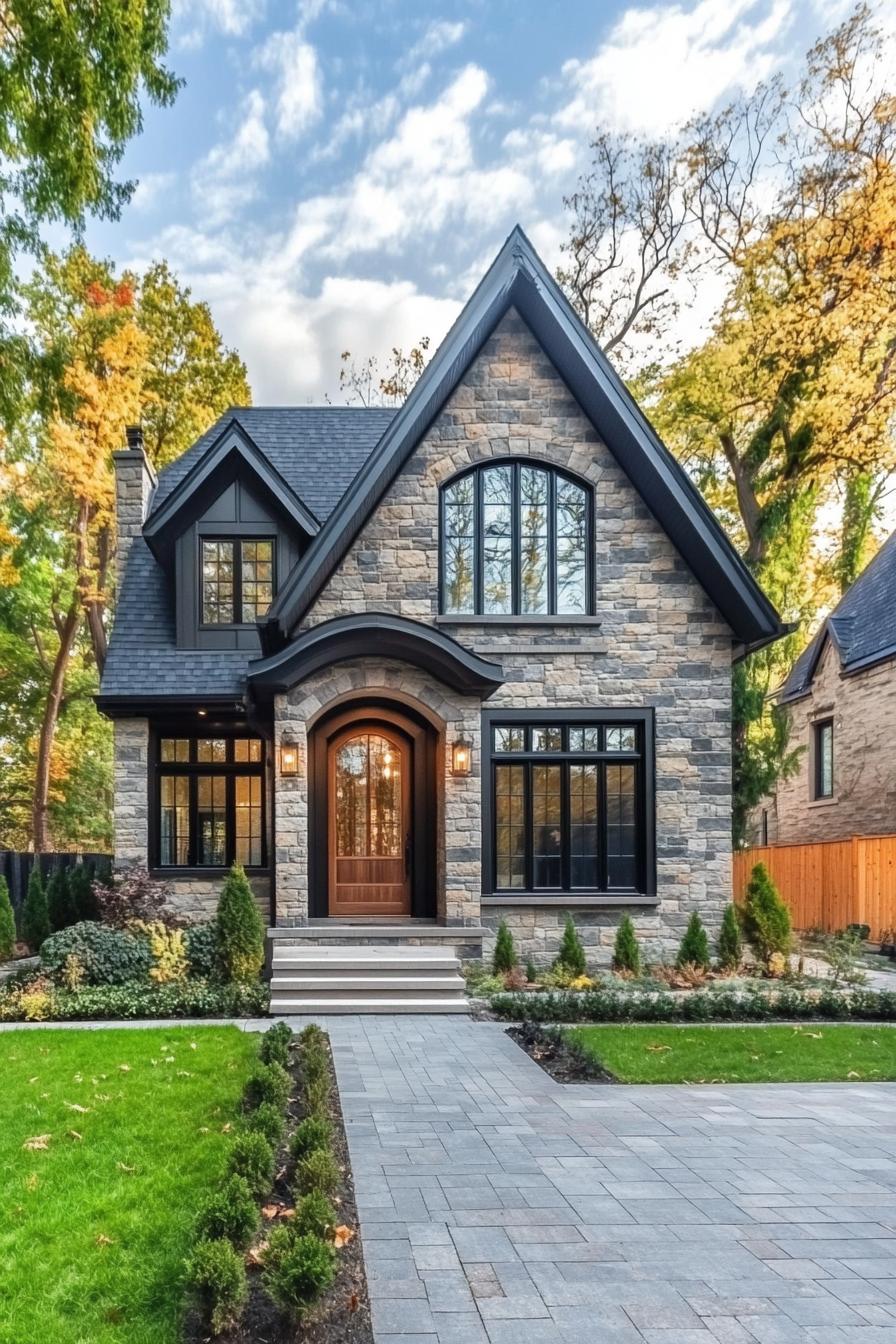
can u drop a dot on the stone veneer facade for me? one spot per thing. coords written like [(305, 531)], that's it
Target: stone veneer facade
[(656, 640), (863, 707)]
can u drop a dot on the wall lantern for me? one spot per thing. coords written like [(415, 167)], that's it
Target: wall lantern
[(289, 758), (461, 757)]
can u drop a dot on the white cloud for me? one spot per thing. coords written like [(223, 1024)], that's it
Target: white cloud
[(224, 181), (298, 94), (660, 65), (438, 37), (192, 19), (150, 188)]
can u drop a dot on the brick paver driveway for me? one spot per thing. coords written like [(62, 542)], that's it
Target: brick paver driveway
[(497, 1205)]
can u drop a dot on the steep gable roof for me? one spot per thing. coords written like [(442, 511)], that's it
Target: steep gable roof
[(518, 279), (862, 626)]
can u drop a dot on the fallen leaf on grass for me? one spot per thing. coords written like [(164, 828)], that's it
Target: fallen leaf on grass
[(342, 1235), (73, 1134), (73, 1106), (33, 1181), (103, 1240), (124, 1068), (655, 1049), (255, 1255), (122, 1166), (34, 1080), (225, 1129), (38, 1144), (852, 1074)]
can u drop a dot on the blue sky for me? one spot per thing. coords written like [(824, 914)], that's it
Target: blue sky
[(338, 175)]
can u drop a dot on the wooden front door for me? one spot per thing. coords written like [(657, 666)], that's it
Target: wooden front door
[(369, 786)]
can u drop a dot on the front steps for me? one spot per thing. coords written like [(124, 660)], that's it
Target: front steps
[(361, 978)]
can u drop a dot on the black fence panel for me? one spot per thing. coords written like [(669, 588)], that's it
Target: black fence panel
[(16, 868)]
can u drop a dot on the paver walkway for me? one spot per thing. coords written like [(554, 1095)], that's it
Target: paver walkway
[(499, 1206)]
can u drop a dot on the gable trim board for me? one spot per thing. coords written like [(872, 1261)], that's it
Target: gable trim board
[(233, 450), (376, 635), (518, 279)]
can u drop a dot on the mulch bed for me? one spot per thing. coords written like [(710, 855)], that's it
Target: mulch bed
[(342, 1316), (553, 1052)]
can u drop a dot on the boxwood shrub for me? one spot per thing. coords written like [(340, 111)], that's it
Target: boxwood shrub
[(107, 956), (751, 1005)]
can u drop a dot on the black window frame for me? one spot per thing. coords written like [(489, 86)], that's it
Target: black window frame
[(643, 721), (237, 540), (554, 473), (819, 728), (192, 769)]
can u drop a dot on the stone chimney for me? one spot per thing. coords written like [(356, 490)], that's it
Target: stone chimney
[(135, 481)]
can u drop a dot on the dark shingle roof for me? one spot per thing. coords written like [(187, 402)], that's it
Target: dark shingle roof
[(862, 625), (318, 450)]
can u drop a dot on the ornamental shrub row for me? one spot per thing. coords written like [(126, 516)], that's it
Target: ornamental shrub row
[(191, 998), (750, 1005)]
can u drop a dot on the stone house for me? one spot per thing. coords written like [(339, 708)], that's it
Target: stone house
[(421, 670), (840, 700)]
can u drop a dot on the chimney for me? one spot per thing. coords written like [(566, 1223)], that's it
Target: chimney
[(135, 481)]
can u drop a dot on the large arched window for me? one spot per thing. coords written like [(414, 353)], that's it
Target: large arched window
[(516, 540)]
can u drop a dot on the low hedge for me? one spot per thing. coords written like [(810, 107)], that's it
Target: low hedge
[(192, 998), (868, 1005)]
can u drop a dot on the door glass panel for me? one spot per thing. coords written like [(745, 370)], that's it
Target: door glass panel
[(368, 798)]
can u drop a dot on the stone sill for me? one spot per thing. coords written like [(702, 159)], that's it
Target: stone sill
[(577, 902)]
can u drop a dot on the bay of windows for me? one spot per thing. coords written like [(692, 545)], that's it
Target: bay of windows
[(516, 541), (210, 802), (568, 807)]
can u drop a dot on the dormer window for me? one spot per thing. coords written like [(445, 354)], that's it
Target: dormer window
[(237, 579), (516, 541)]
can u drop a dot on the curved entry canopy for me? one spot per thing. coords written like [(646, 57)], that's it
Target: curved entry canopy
[(375, 635)]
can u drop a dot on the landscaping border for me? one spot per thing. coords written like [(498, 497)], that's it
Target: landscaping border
[(779, 1005)]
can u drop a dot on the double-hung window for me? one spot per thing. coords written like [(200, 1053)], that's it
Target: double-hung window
[(210, 802), (570, 804), (516, 540), (237, 579)]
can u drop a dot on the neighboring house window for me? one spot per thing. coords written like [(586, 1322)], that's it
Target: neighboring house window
[(824, 758), (210, 802), (569, 805), (516, 540), (237, 579)]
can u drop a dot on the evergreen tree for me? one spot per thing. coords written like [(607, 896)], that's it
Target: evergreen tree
[(239, 927), (694, 949), (531, 972), (626, 952), (35, 920), (504, 958), (7, 922), (572, 952), (80, 886), (59, 900), (766, 917), (730, 942)]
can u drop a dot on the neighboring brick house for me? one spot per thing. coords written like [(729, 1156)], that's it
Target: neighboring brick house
[(425, 669), (840, 700)]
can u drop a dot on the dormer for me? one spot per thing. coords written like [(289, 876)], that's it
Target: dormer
[(227, 535)]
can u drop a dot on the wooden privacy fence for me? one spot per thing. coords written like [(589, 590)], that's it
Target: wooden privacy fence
[(830, 884), (16, 868)]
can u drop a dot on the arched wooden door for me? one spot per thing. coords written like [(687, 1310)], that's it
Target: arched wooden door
[(369, 772)]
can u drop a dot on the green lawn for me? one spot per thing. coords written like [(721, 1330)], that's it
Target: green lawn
[(806, 1054), (94, 1227)]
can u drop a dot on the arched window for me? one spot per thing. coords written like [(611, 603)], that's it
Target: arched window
[(516, 540)]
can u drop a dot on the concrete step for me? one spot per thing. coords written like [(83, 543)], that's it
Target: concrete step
[(405, 963), (306, 1006), (311, 982)]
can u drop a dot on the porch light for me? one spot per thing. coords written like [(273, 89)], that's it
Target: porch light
[(289, 758), (461, 757)]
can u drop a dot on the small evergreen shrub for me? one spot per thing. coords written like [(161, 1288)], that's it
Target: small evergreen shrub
[(626, 952), (60, 907), (35, 919), (7, 923), (694, 947), (240, 930), (311, 1133), (167, 948), (108, 956), (318, 1171), (730, 941), (202, 950), (297, 1269), (275, 1043), (315, 1215), (504, 957), (766, 917), (531, 971), (311, 1034), (315, 1064), (316, 1096), (252, 1157), (267, 1082), (230, 1213), (267, 1120), (217, 1276), (571, 957), (80, 887)]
